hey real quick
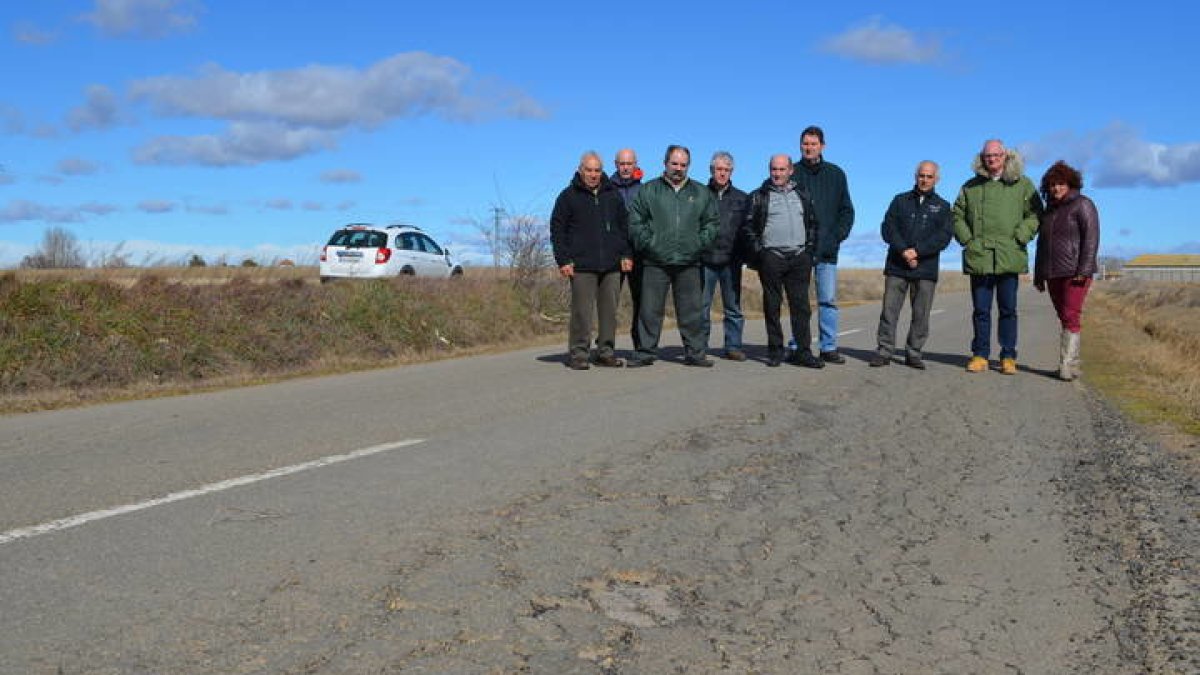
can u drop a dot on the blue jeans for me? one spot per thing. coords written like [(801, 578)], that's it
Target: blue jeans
[(1004, 288), (730, 278), (827, 309)]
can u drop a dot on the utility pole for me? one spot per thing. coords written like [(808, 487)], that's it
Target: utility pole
[(497, 212)]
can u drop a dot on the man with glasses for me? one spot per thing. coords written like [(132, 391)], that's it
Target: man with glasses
[(995, 218), (916, 227)]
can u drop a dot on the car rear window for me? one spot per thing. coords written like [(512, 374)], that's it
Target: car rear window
[(359, 239)]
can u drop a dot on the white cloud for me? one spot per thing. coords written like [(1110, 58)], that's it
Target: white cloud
[(330, 97), (312, 206), (143, 18), (6, 178), (874, 41), (1117, 156), (341, 176), (156, 206), (20, 210), (76, 166), (98, 208), (244, 144), (27, 33), (99, 111), (279, 204), (282, 114), (214, 210), (11, 119)]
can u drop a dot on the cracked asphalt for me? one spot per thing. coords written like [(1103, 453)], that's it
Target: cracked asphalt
[(853, 520)]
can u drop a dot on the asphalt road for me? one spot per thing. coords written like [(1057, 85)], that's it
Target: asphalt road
[(502, 514)]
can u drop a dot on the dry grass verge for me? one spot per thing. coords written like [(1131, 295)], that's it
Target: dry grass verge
[(1140, 341), (73, 337)]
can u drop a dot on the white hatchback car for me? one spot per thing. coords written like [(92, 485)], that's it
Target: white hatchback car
[(362, 251)]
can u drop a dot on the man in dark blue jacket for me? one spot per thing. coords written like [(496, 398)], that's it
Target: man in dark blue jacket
[(589, 230), (825, 183), (917, 227)]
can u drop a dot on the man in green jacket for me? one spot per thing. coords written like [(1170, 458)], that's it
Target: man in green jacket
[(671, 222), (995, 218)]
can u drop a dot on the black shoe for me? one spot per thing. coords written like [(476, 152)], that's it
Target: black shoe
[(833, 357), (878, 360), (698, 361), (774, 359), (578, 363), (639, 362), (608, 361), (913, 361), (807, 360)]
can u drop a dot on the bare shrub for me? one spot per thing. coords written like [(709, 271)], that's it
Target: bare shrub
[(59, 250)]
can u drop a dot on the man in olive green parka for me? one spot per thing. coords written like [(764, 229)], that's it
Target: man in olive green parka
[(995, 218)]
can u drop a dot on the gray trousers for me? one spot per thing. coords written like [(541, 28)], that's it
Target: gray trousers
[(920, 292), (593, 293)]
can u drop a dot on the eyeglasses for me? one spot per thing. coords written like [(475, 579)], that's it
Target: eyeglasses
[(925, 175), (989, 155)]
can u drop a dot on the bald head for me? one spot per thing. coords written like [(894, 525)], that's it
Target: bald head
[(626, 162), (781, 169)]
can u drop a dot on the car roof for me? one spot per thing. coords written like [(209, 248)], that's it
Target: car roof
[(369, 226)]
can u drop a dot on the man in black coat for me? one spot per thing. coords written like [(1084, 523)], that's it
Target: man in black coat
[(589, 230), (917, 227), (723, 260)]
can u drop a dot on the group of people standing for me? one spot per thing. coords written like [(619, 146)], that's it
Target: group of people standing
[(672, 234)]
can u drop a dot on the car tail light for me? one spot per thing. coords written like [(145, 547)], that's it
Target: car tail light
[(324, 253), (383, 255)]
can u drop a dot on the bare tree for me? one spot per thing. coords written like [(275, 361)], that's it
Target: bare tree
[(59, 249)]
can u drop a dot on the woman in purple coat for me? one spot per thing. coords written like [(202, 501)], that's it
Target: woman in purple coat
[(1066, 256)]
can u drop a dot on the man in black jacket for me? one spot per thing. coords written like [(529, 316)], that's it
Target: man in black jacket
[(781, 229), (723, 260), (589, 230), (917, 227)]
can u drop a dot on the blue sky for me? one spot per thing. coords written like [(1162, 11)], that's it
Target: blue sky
[(253, 128)]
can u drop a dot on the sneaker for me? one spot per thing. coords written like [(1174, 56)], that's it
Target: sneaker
[(807, 360), (774, 359), (698, 361), (608, 361), (833, 357), (735, 355), (977, 364), (578, 363), (914, 361), (879, 360), (639, 362), (1008, 366)]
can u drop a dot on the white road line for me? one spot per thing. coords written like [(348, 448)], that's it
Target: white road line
[(72, 521)]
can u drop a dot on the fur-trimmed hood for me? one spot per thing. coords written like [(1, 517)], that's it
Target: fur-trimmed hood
[(1014, 167)]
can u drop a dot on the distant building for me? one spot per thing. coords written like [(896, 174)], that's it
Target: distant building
[(1152, 267)]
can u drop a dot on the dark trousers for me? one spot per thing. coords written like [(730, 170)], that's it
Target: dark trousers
[(786, 273), (920, 294), (687, 286), (634, 277), (1004, 288), (593, 293)]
